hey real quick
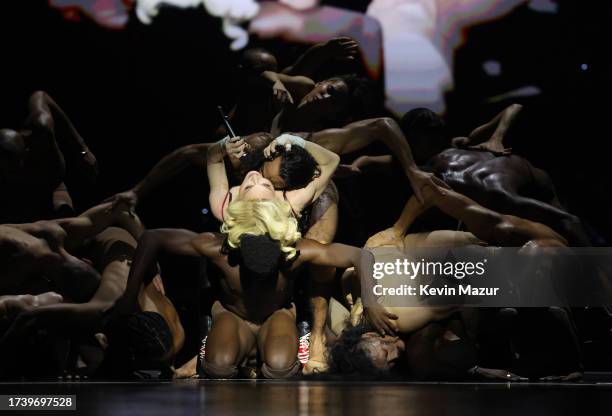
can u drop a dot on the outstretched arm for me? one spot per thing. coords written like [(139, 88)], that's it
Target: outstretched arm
[(343, 256), (316, 56), (69, 233), (356, 136), (94, 221), (167, 168)]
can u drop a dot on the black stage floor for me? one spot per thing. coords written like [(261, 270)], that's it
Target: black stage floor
[(229, 398)]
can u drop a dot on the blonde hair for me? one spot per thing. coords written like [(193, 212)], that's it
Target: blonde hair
[(261, 217)]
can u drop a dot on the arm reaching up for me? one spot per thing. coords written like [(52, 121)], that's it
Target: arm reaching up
[(150, 246), (356, 136), (167, 168), (342, 48)]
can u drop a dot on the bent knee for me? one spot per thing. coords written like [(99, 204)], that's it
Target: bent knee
[(219, 370), (268, 370)]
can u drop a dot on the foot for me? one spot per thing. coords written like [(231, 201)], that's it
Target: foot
[(317, 362), (187, 370)]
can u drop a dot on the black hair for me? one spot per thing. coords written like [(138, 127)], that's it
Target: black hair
[(297, 168), (254, 158), (361, 96), (9, 146), (347, 355), (426, 131), (250, 60), (139, 340)]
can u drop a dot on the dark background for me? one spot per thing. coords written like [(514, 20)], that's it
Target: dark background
[(139, 93)]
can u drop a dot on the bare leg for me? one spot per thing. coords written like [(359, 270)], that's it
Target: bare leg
[(229, 343), (320, 280), (278, 345)]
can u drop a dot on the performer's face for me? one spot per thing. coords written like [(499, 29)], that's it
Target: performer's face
[(327, 97), (271, 171), (255, 186), (383, 351)]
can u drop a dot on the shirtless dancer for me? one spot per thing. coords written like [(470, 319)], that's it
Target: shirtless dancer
[(265, 91), (43, 249), (484, 170), (362, 350), (34, 159), (257, 256), (35, 258), (150, 336)]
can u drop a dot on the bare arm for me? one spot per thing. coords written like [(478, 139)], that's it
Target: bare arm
[(360, 163), (94, 221), (343, 256), (217, 178), (356, 136), (167, 168), (150, 245), (317, 55)]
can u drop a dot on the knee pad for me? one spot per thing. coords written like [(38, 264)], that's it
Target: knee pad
[(289, 372), (219, 371)]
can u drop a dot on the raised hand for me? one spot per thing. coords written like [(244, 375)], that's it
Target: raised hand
[(280, 94), (341, 48)]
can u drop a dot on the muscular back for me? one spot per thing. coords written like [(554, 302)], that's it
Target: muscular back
[(485, 178)]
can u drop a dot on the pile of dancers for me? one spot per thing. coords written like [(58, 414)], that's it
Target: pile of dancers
[(83, 294)]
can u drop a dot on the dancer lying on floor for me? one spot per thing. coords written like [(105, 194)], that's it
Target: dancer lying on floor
[(43, 249), (149, 337), (364, 351), (257, 253)]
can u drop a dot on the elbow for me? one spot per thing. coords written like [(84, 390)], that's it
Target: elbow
[(515, 108), (385, 124), (335, 160)]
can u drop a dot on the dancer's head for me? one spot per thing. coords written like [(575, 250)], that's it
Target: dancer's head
[(337, 97), (290, 169), (361, 351), (425, 132), (258, 60), (271, 218), (286, 169), (12, 150)]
